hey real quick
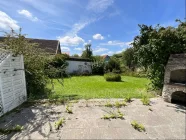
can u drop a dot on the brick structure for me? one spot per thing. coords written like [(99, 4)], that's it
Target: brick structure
[(175, 79)]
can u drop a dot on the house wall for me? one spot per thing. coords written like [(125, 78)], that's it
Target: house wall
[(12, 83), (78, 67)]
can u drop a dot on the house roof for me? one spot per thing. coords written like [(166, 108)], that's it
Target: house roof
[(50, 46), (104, 56), (78, 59)]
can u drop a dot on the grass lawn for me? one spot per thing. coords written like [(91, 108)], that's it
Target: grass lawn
[(87, 87)]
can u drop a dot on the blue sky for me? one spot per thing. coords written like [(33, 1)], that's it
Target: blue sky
[(109, 25)]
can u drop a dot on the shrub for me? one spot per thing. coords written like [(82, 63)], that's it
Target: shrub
[(138, 126), (113, 65), (138, 72), (35, 62), (55, 68), (112, 77), (98, 68)]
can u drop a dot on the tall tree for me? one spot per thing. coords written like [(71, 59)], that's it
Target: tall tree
[(128, 58), (75, 55), (155, 44), (87, 53)]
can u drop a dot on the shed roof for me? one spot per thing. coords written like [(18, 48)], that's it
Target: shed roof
[(79, 59)]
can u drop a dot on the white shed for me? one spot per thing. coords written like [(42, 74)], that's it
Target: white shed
[(78, 66), (12, 81)]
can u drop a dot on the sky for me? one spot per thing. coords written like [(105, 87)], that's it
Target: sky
[(109, 25)]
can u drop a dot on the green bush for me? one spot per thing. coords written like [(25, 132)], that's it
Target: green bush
[(112, 65), (139, 72), (35, 62), (112, 77), (98, 68), (55, 68)]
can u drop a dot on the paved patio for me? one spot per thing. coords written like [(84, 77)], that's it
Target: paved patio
[(165, 121)]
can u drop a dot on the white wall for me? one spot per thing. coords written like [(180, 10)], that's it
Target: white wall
[(78, 67), (12, 82)]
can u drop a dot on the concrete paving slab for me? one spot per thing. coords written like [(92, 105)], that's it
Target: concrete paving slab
[(166, 121)]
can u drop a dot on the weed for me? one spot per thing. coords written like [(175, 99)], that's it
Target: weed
[(108, 104), (128, 99), (16, 128), (118, 104), (106, 117), (145, 100), (113, 115), (120, 115), (69, 110), (59, 123), (138, 126)]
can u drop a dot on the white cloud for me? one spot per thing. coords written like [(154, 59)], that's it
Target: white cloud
[(81, 25), (99, 6), (70, 41), (98, 37), (27, 14), (110, 52), (116, 43), (89, 42), (98, 50), (43, 6), (63, 49), (7, 22), (78, 49)]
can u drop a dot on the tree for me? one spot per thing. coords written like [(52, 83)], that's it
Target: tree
[(75, 55), (128, 58), (154, 45), (36, 62), (97, 58), (87, 53), (112, 65)]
